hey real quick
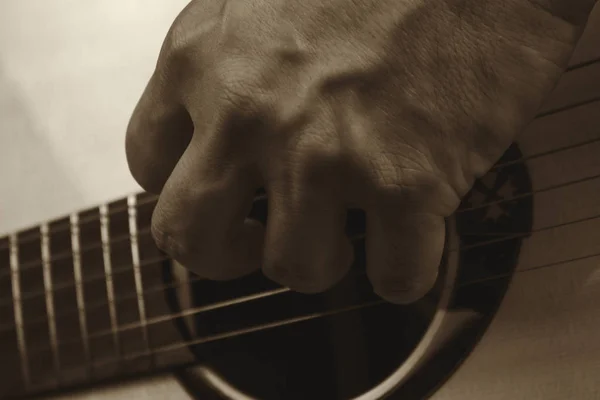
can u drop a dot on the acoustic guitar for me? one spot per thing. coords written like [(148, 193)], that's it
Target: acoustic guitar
[(88, 300)]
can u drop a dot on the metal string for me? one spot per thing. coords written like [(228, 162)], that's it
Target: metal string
[(249, 298), (121, 238), (269, 293)]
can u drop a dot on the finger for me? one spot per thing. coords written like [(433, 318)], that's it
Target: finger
[(200, 218), (158, 133), (306, 248), (404, 251)]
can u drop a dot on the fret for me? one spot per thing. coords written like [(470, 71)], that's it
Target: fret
[(105, 237), (18, 311), (161, 333), (135, 256), (10, 365), (95, 292), (79, 288), (126, 287), (48, 288), (31, 279), (6, 298)]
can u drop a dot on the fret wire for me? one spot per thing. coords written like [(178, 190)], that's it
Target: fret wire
[(67, 254), (271, 325), (64, 255), (47, 273), (135, 257), (357, 237), (145, 231), (119, 209), (79, 290), (110, 292), (92, 278), (101, 304), (18, 309), (241, 300), (481, 244), (86, 220), (538, 116)]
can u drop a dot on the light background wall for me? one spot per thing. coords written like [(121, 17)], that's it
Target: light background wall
[(71, 72)]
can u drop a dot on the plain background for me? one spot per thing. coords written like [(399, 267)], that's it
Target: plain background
[(70, 74)]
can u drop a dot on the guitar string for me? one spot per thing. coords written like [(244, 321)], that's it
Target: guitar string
[(65, 255), (583, 64), (152, 261), (91, 307), (102, 277), (182, 345), (255, 296), (150, 198), (126, 268), (580, 65), (217, 337), (229, 334), (40, 350)]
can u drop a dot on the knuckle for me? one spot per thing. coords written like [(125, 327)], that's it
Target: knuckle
[(184, 45), (418, 189), (320, 157), (323, 152), (174, 48), (242, 88), (198, 256), (166, 241), (169, 235)]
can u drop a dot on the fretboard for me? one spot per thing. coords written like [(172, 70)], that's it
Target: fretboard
[(82, 299)]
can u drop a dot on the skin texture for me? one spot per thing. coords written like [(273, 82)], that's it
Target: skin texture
[(392, 106)]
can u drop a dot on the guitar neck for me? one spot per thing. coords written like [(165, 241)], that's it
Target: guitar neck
[(82, 300)]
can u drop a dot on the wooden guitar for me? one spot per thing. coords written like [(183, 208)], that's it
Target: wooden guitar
[(87, 300)]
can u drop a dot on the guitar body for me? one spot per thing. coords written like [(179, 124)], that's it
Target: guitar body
[(514, 313), (372, 348)]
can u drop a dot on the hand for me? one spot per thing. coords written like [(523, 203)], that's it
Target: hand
[(392, 106)]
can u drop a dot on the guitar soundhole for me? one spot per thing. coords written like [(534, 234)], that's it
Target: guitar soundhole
[(336, 356), (344, 355)]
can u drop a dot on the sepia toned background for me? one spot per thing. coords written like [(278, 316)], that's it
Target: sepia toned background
[(70, 75)]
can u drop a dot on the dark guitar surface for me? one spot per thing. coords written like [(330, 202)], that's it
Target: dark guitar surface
[(356, 345), (347, 354)]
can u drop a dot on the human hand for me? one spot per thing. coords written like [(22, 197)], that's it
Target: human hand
[(392, 106)]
